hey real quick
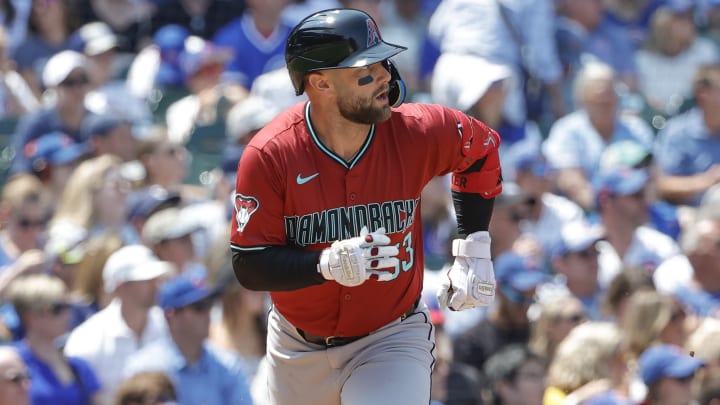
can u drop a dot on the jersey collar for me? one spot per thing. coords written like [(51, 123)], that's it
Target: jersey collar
[(331, 154)]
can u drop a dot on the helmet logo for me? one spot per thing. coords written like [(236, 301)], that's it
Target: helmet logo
[(373, 36)]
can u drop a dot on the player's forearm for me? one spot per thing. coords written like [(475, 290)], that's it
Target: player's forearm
[(473, 212), (277, 268)]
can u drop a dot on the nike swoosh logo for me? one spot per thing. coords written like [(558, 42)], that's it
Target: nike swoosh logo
[(303, 180)]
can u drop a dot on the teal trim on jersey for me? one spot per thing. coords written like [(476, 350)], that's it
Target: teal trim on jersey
[(247, 249), (347, 165)]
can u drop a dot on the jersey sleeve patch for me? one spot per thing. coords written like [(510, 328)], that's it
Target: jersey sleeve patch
[(245, 207)]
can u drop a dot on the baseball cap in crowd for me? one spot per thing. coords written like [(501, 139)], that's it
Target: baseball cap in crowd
[(622, 181), (166, 224), (667, 361), (198, 53), (185, 289), (60, 65), (532, 160), (66, 242), (100, 124), (171, 37), (520, 272), (459, 81), (54, 148), (231, 155), (93, 38), (133, 263), (577, 236), (625, 154), (144, 202), (247, 116)]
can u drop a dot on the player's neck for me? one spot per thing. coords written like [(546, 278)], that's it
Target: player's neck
[(342, 137)]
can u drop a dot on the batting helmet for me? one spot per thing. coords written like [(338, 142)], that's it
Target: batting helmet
[(340, 38)]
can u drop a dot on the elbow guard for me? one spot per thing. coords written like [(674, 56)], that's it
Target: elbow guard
[(480, 172)]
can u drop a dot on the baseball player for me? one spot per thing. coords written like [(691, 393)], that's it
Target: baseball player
[(327, 220)]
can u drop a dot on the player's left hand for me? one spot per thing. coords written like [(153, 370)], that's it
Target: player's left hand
[(470, 281)]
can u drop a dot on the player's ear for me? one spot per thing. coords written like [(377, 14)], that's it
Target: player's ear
[(317, 81)]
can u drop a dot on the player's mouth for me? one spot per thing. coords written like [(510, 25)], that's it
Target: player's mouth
[(383, 97)]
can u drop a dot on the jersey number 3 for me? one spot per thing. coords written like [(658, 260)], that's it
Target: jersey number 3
[(406, 264)]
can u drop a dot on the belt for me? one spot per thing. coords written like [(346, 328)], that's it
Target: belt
[(334, 341)]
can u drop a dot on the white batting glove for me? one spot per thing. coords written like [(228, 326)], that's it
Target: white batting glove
[(347, 261), (470, 281)]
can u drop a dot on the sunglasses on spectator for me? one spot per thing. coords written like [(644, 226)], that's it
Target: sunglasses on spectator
[(573, 318), (75, 81), (29, 223), (517, 297), (58, 308), (201, 306), (18, 378), (591, 253)]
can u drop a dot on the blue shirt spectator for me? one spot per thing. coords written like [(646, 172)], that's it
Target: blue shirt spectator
[(687, 147), (47, 389), (254, 53)]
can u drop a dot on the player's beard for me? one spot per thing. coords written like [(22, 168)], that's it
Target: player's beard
[(363, 110)]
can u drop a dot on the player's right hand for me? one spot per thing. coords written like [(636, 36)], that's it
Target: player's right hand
[(347, 261)]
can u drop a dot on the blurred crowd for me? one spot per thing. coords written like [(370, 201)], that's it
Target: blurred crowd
[(122, 122)]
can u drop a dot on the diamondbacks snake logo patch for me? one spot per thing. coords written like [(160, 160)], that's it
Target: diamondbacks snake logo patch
[(245, 206)]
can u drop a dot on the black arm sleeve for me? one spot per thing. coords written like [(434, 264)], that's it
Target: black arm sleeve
[(277, 268), (472, 211)]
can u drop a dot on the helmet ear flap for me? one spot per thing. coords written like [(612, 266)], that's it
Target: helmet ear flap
[(398, 90)]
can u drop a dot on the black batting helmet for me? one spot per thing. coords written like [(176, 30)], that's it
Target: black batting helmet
[(339, 38)]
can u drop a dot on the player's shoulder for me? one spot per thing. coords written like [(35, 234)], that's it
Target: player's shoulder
[(425, 115)]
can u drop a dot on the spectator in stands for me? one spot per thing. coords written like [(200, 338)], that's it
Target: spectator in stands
[(14, 20), (653, 318), (42, 304), (507, 321), (147, 388), (50, 24), (203, 18), (130, 322), (14, 378), (145, 201), (209, 100), (156, 66), (670, 59), (242, 330), (698, 286), (687, 150), (16, 97), (64, 248), (575, 261), (576, 142), (588, 363), (557, 316), (621, 288), (516, 375), (24, 213), (257, 39), (87, 289), (110, 134), (633, 17), (498, 32), (276, 86), (622, 204), (203, 374), (94, 198), (543, 213), (52, 158), (166, 164), (668, 373), (247, 117), (66, 77), (168, 232), (704, 343), (110, 94), (584, 34), (128, 19)]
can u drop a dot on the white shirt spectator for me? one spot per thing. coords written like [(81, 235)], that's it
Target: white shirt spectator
[(672, 274), (106, 342), (556, 212), (648, 249)]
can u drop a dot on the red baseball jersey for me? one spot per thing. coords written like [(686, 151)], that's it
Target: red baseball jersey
[(292, 190)]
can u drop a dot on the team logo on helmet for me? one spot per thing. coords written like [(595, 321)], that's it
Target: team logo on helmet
[(244, 208), (373, 36)]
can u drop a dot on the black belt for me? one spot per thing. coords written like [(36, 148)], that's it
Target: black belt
[(334, 341)]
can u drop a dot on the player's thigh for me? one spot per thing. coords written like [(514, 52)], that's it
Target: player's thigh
[(396, 369)]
